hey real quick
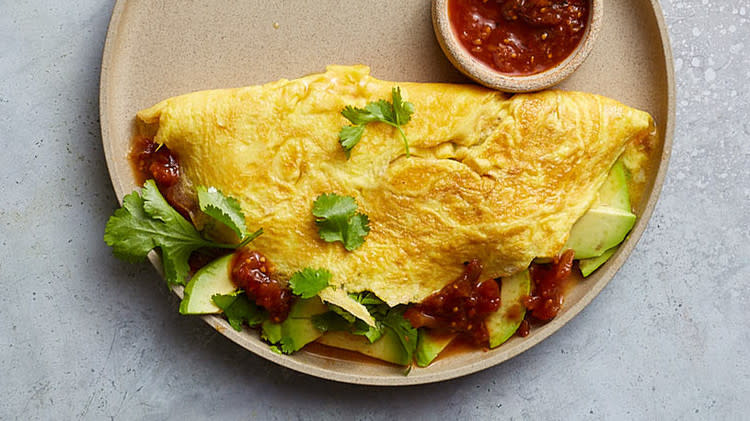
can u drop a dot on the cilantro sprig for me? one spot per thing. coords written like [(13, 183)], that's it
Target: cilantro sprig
[(338, 220), (238, 309), (146, 221), (395, 114)]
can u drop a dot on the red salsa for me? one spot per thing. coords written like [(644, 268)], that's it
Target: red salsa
[(251, 271), (548, 282), (519, 37), (460, 307)]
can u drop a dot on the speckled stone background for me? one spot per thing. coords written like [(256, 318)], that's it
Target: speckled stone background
[(83, 335)]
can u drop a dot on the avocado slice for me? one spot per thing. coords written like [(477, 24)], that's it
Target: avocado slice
[(214, 278), (503, 323), (430, 345), (588, 266), (387, 348), (297, 330), (598, 230), (614, 192)]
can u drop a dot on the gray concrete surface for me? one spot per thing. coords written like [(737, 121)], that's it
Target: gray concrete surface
[(83, 335)]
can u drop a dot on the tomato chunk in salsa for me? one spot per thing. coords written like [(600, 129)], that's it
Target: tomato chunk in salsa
[(251, 271), (519, 37), (460, 307), (548, 286)]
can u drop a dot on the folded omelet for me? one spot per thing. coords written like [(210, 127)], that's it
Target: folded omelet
[(490, 177)]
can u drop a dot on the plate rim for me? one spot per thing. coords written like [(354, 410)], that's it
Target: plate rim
[(501, 355)]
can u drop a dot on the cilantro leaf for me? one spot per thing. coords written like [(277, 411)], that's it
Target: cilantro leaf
[(358, 116), (222, 208), (357, 229), (349, 137), (146, 221), (130, 230), (238, 309), (332, 206), (337, 220), (395, 113), (402, 110), (308, 282), (226, 210), (382, 111), (406, 333)]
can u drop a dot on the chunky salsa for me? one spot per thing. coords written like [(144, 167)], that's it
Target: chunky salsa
[(519, 37), (460, 307), (548, 286), (251, 271)]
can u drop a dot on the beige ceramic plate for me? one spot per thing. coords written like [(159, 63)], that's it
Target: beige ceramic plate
[(157, 49)]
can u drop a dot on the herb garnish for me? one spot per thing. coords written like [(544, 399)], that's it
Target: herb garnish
[(338, 220), (308, 282), (406, 333), (222, 208), (146, 221), (238, 309), (395, 114)]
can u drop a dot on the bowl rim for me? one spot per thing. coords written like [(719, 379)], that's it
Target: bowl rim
[(491, 78), (500, 354)]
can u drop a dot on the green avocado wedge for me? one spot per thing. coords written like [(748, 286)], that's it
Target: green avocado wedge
[(598, 230), (614, 192), (430, 345), (297, 330), (388, 348), (502, 324), (588, 266), (211, 279)]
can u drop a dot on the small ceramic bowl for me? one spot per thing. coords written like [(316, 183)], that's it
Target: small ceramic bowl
[(485, 75)]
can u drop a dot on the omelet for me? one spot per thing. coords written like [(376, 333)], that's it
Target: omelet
[(497, 178)]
